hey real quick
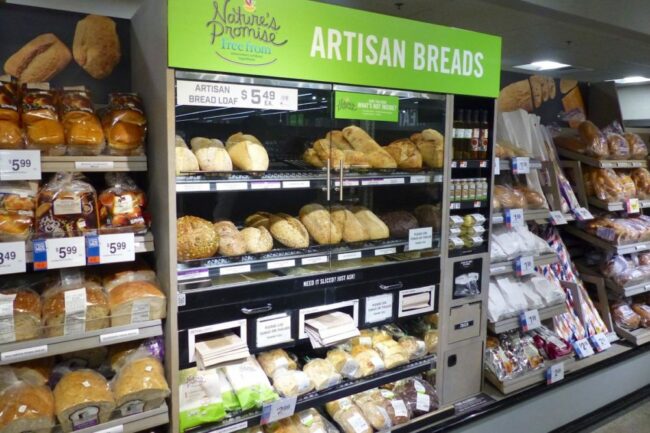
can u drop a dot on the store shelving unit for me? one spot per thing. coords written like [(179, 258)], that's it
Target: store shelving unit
[(506, 164), (130, 423), (604, 245), (508, 267), (614, 206), (525, 380), (529, 215), (514, 323), (601, 163)]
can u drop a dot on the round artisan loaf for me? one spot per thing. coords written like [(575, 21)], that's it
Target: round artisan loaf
[(231, 241), (319, 224), (211, 154), (141, 297), (26, 407), (82, 397), (405, 153), (289, 231), (257, 239), (140, 385), (27, 315), (54, 311), (399, 223), (247, 152), (196, 238)]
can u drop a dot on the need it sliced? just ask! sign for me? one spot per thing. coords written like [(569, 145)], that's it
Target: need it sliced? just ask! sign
[(307, 40)]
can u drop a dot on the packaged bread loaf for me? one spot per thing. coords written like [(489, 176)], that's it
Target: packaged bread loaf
[(405, 153), (285, 425), (310, 421), (11, 135), (82, 399), (289, 383), (375, 227), (370, 361), (125, 125), (322, 373), (629, 187), (595, 141), (606, 184), (319, 224), (374, 408), (38, 60), (25, 405), (122, 205), (83, 130), (211, 154), (75, 310), (140, 385), (638, 148), (200, 400), (17, 204), (257, 239), (136, 301), (643, 311), (348, 225), (20, 315), (275, 360), (641, 178), (196, 238), (399, 223), (231, 241), (348, 416), (413, 347), (289, 231), (96, 46), (391, 353), (509, 198), (534, 200), (431, 145), (419, 395), (66, 206), (344, 363), (625, 317), (618, 147), (247, 152), (126, 273), (44, 130), (186, 161), (397, 409)]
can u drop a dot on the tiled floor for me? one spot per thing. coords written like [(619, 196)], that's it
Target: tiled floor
[(635, 419)]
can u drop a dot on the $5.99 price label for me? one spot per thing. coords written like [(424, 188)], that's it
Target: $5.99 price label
[(59, 253), (113, 248), (12, 257), (205, 94), (20, 165)]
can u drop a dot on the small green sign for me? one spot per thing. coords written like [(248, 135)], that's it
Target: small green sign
[(362, 106)]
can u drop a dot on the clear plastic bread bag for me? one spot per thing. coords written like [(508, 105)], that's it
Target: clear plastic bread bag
[(618, 146), (607, 185), (11, 134), (125, 125), (420, 397), (83, 130), (25, 404), (374, 408), (414, 347), (344, 363), (17, 205), (638, 148), (275, 360), (322, 373), (21, 314), (44, 130), (625, 317), (122, 205), (291, 383), (595, 140), (641, 178)]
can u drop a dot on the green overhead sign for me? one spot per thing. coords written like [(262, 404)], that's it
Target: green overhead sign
[(307, 40), (362, 106)]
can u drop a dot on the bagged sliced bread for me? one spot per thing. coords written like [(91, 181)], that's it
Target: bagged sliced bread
[(82, 399)]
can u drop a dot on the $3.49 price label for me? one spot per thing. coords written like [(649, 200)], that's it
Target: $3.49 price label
[(59, 253), (113, 248), (20, 165), (236, 95), (12, 257)]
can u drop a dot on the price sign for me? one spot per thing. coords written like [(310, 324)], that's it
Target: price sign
[(514, 218), (583, 348), (463, 164), (582, 214), (420, 239), (529, 320), (632, 205), (524, 265), (521, 165), (12, 258), (20, 165), (600, 342), (273, 330), (497, 166), (555, 373), (235, 95), (279, 409), (379, 308), (116, 248), (557, 218), (59, 253)]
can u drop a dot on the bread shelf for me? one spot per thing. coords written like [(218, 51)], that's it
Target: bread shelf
[(529, 215), (421, 422), (513, 322), (100, 163), (319, 398), (637, 337), (44, 347), (508, 267), (615, 206), (130, 423), (608, 246), (506, 164), (527, 379), (602, 163), (625, 290)]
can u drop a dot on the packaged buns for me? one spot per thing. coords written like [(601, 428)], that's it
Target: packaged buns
[(344, 363), (231, 241), (275, 360), (606, 184), (83, 130), (638, 148), (310, 421), (247, 152), (319, 224), (11, 135), (641, 178), (399, 223), (25, 405), (322, 373), (405, 153), (24, 319), (644, 313), (375, 227), (618, 147), (44, 131), (348, 225), (17, 205), (140, 385), (82, 398), (125, 125), (96, 46), (289, 231), (74, 310), (196, 238), (625, 317), (136, 301), (595, 141), (257, 239), (122, 205), (211, 154)]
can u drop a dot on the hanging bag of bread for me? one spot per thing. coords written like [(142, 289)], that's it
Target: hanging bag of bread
[(17, 204), (11, 136), (140, 384), (26, 403), (83, 131), (125, 125), (20, 314), (66, 206), (41, 121), (122, 206)]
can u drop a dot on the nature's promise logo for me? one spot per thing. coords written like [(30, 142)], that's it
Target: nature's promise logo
[(243, 34)]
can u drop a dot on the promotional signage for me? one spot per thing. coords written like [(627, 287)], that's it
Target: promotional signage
[(308, 40), (362, 106)]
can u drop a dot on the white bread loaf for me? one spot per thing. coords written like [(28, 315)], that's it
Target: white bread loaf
[(185, 159), (137, 301), (247, 152), (26, 407), (211, 154), (26, 315), (140, 385), (82, 398), (140, 272), (54, 310)]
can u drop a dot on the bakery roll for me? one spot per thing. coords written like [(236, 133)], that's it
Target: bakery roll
[(140, 385), (257, 239), (195, 238), (136, 301), (211, 154), (43, 129), (399, 223), (96, 46), (11, 136), (319, 224), (376, 228), (231, 241), (59, 320), (348, 225), (289, 231), (405, 153), (125, 125), (247, 152), (39, 60), (26, 406), (322, 373), (82, 398), (26, 311), (431, 145)]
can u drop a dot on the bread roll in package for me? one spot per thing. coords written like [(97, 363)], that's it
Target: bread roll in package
[(41, 122), (291, 383), (199, 398), (11, 135), (20, 315), (125, 125), (81, 126), (374, 408), (638, 148), (122, 206), (17, 205), (140, 384), (276, 360), (369, 360), (25, 404)]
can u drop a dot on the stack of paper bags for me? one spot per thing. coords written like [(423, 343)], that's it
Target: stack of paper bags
[(330, 329)]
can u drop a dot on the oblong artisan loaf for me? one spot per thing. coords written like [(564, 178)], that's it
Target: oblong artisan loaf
[(319, 224), (247, 152), (231, 241), (143, 298), (54, 311), (196, 238), (83, 396), (360, 140), (376, 228), (257, 239), (211, 154), (26, 407), (289, 231), (405, 153), (27, 315), (140, 382), (348, 224)]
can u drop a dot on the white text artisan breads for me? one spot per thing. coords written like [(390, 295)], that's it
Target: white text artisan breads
[(247, 152), (136, 301), (319, 224), (54, 310), (196, 238), (26, 407), (140, 385), (82, 398), (375, 227), (26, 312), (211, 154)]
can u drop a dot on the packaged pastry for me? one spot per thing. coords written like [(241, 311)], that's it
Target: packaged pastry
[(500, 361), (196, 238), (122, 205), (594, 139), (550, 345), (140, 385), (374, 408), (617, 145), (638, 148), (644, 313), (21, 315), (344, 363), (348, 416), (275, 360), (200, 399), (322, 373), (125, 125), (291, 383), (413, 347), (75, 309), (44, 131), (25, 404), (136, 301), (66, 206), (625, 317), (11, 136), (370, 361), (17, 204), (82, 128), (641, 178), (420, 397)]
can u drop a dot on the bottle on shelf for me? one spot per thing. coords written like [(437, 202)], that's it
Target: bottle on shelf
[(475, 140), (464, 192), (458, 134), (485, 131), (452, 190), (467, 135)]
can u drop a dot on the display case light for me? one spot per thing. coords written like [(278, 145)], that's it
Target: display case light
[(542, 65), (632, 80)]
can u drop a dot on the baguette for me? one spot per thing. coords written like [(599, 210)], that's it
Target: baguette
[(360, 140)]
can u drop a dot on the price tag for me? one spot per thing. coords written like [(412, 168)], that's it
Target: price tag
[(192, 187), (273, 330), (349, 256), (20, 165), (483, 164), (454, 164), (12, 258), (600, 342), (463, 164), (281, 264), (632, 205), (420, 239), (521, 165), (582, 214), (379, 308), (384, 251), (497, 166), (278, 409), (113, 248), (555, 373), (235, 95), (454, 205), (232, 186), (21, 354), (524, 265), (119, 336), (420, 179), (194, 273), (529, 320), (93, 165), (514, 218), (241, 269), (114, 429), (266, 185), (59, 253), (583, 348), (314, 260), (557, 218), (289, 184)]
